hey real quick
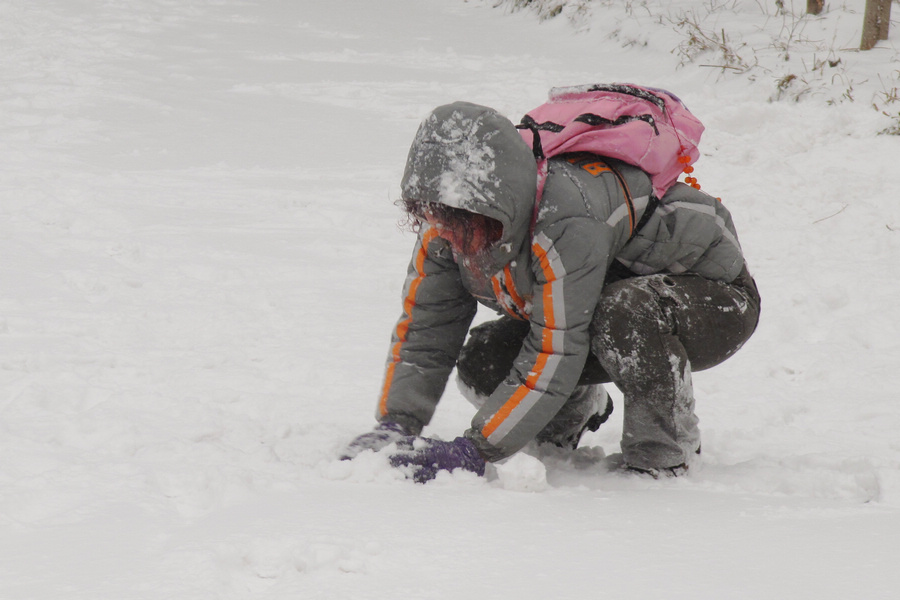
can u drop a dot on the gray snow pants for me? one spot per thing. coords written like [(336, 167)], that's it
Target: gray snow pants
[(647, 335)]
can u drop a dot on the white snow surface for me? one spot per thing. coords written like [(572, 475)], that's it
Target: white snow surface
[(201, 265)]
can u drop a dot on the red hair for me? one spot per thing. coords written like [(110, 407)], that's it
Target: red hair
[(466, 225)]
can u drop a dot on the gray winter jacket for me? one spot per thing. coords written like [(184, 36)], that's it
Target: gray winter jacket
[(470, 157)]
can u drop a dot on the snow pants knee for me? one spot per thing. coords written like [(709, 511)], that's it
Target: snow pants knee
[(487, 359), (647, 336)]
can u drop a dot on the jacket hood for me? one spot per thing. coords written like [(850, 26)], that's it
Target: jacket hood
[(470, 157)]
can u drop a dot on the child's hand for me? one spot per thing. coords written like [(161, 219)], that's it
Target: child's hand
[(426, 457)]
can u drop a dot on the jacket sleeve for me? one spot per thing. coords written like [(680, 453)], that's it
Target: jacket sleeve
[(437, 312), (569, 261)]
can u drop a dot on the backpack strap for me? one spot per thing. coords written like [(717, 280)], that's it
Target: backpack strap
[(536, 128), (588, 118), (652, 203)]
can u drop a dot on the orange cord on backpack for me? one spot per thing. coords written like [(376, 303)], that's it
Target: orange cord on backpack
[(688, 169)]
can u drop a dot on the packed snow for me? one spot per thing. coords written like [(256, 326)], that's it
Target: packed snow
[(202, 264)]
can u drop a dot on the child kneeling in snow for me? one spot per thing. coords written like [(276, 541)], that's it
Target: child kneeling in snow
[(591, 291)]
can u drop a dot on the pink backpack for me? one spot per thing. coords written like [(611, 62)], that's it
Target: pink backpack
[(645, 127)]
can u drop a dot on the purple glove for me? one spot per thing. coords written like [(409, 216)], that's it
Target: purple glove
[(385, 433), (427, 456)]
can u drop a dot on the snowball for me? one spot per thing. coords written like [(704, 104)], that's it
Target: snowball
[(522, 473)]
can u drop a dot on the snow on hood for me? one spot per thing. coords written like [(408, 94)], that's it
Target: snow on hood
[(470, 157)]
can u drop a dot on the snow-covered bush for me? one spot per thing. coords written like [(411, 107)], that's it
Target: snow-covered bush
[(777, 44)]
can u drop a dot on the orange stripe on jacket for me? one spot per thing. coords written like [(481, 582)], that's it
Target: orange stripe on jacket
[(504, 411), (513, 292), (402, 330), (538, 370), (540, 362), (503, 287), (498, 291)]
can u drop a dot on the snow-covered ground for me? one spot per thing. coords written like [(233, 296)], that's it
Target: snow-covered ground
[(201, 265)]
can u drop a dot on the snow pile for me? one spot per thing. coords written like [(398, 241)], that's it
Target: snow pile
[(776, 46), (522, 473)]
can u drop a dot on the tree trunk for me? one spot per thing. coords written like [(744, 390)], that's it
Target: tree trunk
[(814, 7), (876, 23)]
